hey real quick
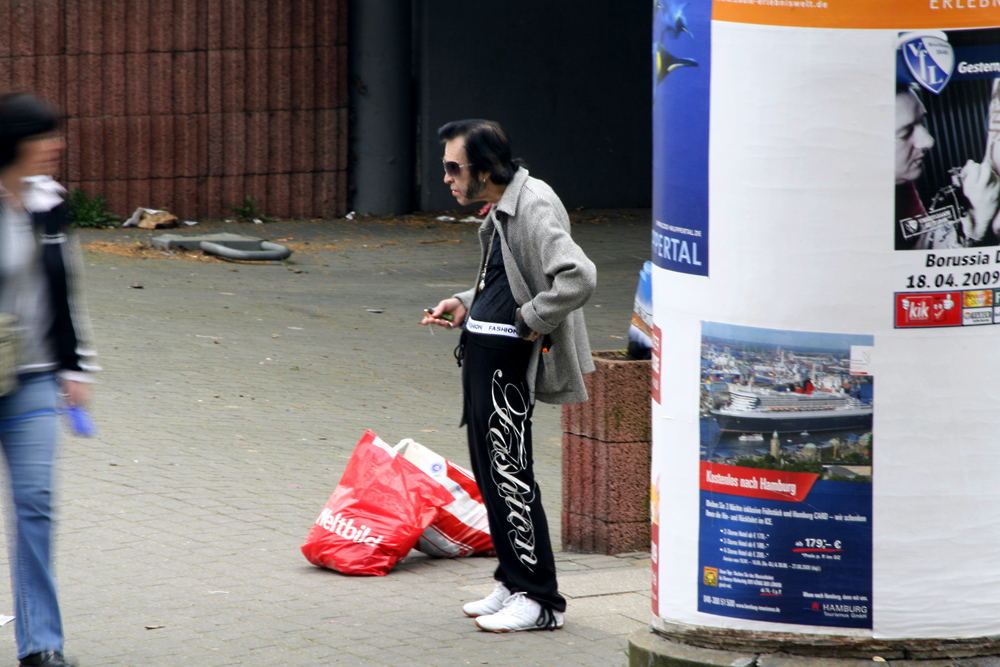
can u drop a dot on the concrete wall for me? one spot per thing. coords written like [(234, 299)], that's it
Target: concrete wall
[(571, 82), (190, 105)]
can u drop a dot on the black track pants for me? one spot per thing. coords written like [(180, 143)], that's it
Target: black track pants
[(498, 418)]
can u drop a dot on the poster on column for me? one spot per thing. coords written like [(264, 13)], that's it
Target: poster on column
[(785, 478), (682, 49), (947, 189), (838, 164)]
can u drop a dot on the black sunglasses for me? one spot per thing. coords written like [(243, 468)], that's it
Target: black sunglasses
[(453, 168)]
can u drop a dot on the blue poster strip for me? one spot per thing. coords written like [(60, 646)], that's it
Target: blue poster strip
[(682, 49), (806, 562)]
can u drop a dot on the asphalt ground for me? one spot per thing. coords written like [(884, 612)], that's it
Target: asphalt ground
[(232, 396)]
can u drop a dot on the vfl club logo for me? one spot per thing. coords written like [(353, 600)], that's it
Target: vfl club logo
[(930, 60)]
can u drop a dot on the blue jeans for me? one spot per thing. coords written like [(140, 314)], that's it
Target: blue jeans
[(28, 434)]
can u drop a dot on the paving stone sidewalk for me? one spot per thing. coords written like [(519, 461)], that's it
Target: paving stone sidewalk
[(231, 398)]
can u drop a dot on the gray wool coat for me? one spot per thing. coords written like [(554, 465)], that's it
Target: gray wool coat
[(551, 279)]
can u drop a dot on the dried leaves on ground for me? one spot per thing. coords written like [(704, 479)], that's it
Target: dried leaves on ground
[(138, 250)]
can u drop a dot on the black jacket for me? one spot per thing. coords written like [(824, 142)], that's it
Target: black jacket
[(69, 335)]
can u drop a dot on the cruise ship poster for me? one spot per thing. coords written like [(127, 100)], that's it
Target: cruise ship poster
[(785, 484)]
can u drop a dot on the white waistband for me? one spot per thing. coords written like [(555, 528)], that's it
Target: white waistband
[(491, 328)]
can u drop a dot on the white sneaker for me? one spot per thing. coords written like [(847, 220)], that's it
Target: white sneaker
[(521, 613), (490, 604)]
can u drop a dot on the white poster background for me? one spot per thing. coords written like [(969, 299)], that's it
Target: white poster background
[(801, 225)]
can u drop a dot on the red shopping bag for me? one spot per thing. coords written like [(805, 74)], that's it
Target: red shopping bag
[(461, 527), (376, 514)]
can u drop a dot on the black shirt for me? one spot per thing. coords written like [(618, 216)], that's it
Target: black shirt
[(495, 302)]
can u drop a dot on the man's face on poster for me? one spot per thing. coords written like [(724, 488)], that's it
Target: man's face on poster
[(912, 138)]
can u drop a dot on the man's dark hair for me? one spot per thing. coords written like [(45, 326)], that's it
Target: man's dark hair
[(22, 115), (487, 148)]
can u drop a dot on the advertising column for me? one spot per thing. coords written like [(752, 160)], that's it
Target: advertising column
[(826, 212)]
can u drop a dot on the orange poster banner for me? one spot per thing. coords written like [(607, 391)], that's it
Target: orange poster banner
[(862, 14)]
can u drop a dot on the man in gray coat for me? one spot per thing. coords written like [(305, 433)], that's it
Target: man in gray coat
[(523, 340)]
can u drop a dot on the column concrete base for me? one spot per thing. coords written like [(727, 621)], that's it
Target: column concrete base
[(650, 649)]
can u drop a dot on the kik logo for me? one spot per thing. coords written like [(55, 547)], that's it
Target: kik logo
[(927, 308), (920, 311), (931, 61)]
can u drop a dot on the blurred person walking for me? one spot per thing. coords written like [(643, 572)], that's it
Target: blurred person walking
[(44, 353), (523, 339)]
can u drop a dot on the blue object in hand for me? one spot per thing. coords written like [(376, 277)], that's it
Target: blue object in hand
[(80, 421)]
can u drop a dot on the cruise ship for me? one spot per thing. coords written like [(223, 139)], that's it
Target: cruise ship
[(786, 412)]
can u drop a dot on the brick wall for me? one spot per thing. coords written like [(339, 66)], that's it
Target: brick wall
[(189, 105)]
